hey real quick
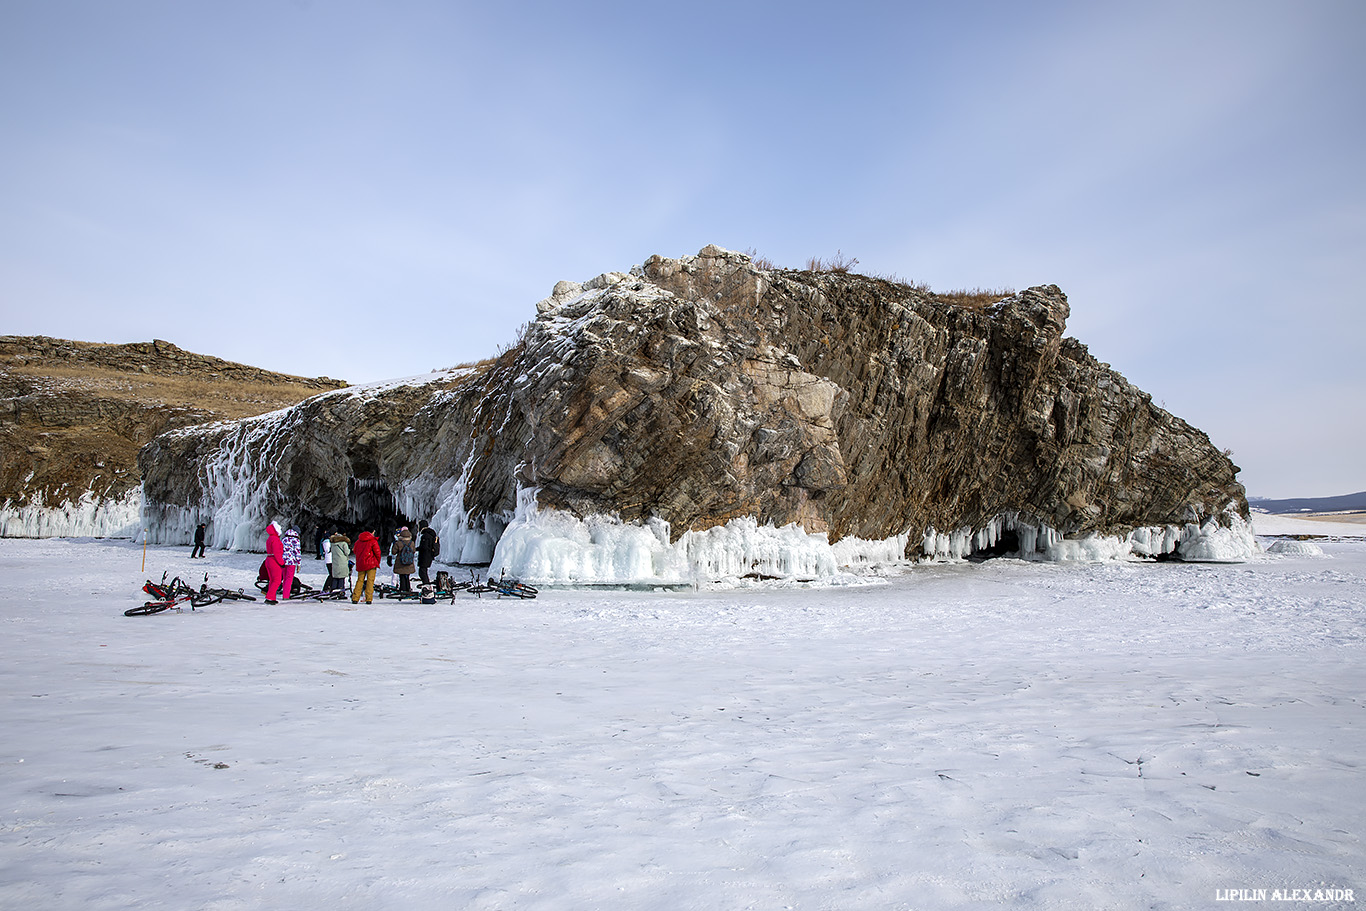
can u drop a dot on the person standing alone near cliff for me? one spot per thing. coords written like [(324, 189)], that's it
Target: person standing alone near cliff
[(198, 549)]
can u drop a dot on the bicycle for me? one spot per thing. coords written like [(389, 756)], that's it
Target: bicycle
[(299, 588), (514, 588), (447, 588), (177, 593), (394, 593), (214, 595), (475, 587), (318, 594), (166, 595)]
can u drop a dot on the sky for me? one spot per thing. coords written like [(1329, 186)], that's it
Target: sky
[(367, 190)]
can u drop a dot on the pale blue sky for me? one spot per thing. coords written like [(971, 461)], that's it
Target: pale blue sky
[(374, 189)]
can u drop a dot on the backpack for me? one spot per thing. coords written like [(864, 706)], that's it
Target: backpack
[(428, 593), (443, 581), (405, 554)]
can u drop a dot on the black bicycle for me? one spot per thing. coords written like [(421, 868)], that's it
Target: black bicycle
[(321, 594), (298, 589), (394, 593), (207, 595), (447, 588)]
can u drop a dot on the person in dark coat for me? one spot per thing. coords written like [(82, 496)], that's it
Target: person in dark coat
[(198, 549), (428, 547)]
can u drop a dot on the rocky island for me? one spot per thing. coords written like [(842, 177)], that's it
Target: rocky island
[(703, 416)]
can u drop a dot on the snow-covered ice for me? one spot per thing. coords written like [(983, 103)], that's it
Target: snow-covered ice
[(1020, 734)]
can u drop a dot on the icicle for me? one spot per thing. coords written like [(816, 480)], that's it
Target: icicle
[(87, 517), (1090, 549), (858, 552), (552, 546)]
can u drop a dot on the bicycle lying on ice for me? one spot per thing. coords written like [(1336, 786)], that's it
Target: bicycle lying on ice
[(175, 594), (514, 588), (299, 590), (502, 586)]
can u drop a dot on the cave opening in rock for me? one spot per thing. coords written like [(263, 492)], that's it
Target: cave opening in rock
[(370, 506), (1007, 545)]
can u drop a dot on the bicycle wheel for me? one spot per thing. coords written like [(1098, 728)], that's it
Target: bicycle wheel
[(203, 599), (238, 595), (151, 607)]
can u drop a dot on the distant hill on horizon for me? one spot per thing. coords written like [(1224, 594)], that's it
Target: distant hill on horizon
[(1343, 503)]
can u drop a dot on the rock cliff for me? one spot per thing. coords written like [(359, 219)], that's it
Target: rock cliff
[(697, 393), (73, 416)]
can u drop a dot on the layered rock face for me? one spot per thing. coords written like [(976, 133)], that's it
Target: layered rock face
[(691, 393), (73, 416)]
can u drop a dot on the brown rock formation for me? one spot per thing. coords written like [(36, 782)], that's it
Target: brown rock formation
[(701, 389)]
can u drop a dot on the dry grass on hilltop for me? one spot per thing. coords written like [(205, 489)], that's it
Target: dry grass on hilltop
[(229, 398), (972, 299)]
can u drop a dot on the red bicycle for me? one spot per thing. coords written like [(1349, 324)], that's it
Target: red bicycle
[(165, 595), (174, 594)]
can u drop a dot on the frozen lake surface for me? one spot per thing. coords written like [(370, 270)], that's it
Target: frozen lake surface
[(1121, 735)]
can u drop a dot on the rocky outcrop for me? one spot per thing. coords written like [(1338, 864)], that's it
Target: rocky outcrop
[(690, 393), (73, 416)]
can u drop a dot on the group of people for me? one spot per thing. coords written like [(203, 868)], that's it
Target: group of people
[(406, 555)]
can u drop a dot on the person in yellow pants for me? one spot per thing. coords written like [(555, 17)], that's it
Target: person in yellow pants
[(368, 558)]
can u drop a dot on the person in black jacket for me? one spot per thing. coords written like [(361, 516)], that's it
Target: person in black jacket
[(198, 549), (428, 547)]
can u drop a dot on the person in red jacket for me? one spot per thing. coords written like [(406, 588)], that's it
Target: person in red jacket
[(368, 558), (275, 562)]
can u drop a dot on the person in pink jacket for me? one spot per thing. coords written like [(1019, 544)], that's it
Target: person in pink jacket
[(275, 562)]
